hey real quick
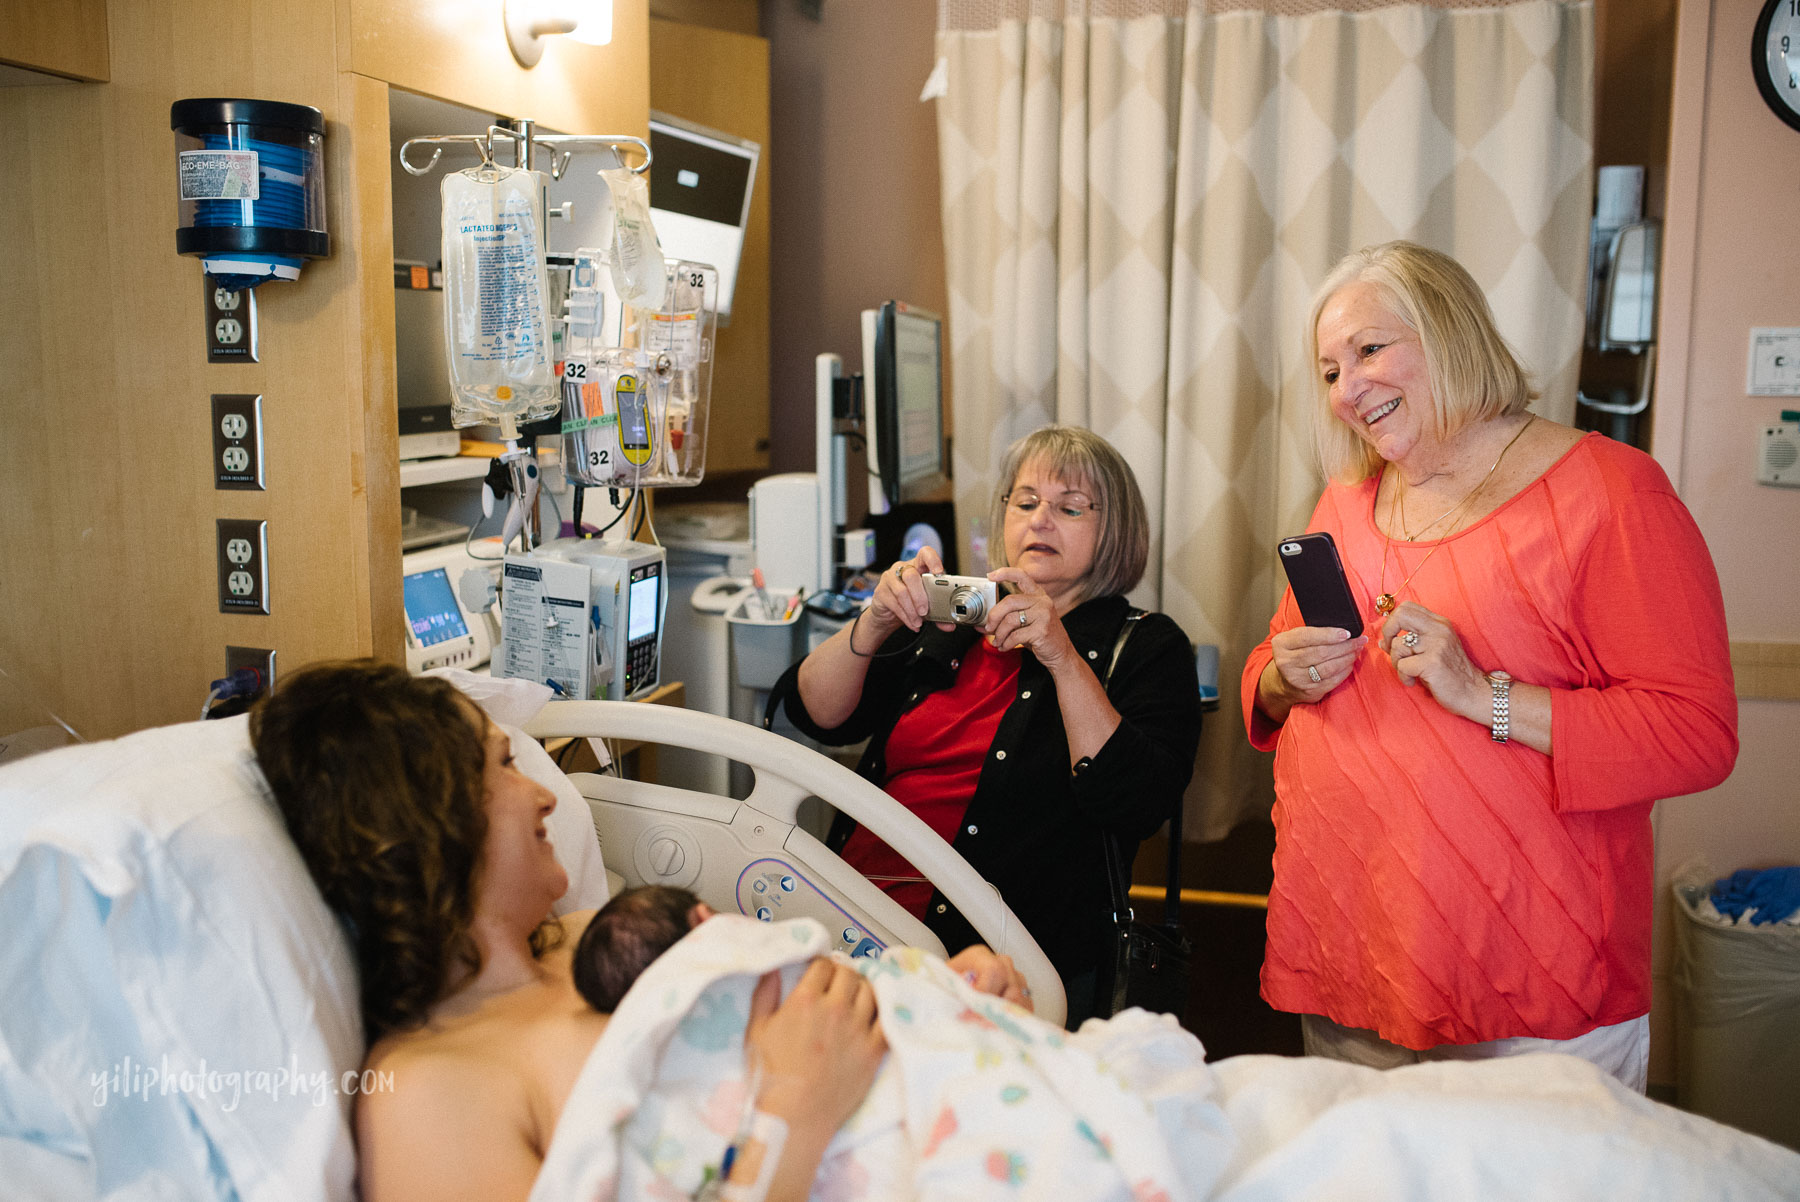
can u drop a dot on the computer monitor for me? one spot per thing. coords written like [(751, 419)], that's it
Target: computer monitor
[(903, 367), (700, 185)]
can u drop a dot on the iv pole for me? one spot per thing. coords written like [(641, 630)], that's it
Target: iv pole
[(562, 148)]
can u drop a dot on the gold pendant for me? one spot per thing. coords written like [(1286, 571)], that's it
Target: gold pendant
[(1385, 603)]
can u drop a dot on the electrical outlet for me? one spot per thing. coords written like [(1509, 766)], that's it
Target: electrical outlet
[(259, 658), (243, 566), (237, 441), (230, 323)]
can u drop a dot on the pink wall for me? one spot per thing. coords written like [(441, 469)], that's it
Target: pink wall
[(855, 214), (1730, 263)]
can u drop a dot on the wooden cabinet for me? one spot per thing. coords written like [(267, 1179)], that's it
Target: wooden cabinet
[(66, 38)]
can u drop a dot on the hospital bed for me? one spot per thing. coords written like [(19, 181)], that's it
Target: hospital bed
[(179, 1020), (180, 1015)]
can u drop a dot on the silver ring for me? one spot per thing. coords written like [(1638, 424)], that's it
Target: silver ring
[(1314, 673), (1411, 639), (1023, 620)]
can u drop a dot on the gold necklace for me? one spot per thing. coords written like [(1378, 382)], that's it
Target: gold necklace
[(1400, 498), (1386, 601)]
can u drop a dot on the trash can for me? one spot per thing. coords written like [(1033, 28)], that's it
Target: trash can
[(1737, 1019)]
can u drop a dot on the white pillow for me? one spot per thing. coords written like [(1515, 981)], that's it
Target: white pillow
[(160, 921), (156, 914)]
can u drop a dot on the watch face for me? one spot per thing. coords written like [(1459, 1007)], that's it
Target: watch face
[(1775, 58)]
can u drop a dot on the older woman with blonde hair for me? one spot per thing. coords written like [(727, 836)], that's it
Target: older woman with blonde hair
[(1012, 739), (1463, 859)]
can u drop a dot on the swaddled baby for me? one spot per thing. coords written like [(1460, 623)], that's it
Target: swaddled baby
[(977, 1097)]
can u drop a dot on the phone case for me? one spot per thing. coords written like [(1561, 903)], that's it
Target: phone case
[(1321, 589)]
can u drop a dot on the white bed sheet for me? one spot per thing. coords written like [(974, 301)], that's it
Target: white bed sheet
[(980, 1101)]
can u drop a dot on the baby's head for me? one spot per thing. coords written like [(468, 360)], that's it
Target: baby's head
[(629, 932)]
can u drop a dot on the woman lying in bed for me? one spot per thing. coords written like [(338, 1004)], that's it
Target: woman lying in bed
[(430, 845)]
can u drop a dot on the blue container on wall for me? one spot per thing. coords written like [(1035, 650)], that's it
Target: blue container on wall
[(250, 178)]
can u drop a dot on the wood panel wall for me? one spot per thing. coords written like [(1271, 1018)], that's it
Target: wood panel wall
[(734, 16), (107, 507), (65, 38), (721, 80), (456, 50)]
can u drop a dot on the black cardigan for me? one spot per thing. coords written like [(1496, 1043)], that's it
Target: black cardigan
[(1033, 828)]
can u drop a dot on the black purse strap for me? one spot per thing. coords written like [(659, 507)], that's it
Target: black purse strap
[(1115, 871)]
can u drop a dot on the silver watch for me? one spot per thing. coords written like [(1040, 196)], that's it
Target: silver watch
[(1502, 683)]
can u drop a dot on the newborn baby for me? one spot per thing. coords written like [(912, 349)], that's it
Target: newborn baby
[(629, 932)]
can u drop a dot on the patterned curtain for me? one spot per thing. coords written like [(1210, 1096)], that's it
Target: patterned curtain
[(1139, 197)]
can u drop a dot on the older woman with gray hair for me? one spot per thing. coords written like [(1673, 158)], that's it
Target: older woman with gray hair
[(1463, 857), (1012, 739)]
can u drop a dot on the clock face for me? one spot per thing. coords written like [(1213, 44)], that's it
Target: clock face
[(1775, 58)]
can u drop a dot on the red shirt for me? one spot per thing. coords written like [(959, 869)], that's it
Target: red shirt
[(935, 756)]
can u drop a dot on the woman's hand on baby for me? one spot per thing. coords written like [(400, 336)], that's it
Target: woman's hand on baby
[(819, 1047), (992, 973)]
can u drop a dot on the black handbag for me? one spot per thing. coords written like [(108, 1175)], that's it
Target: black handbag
[(1148, 965)]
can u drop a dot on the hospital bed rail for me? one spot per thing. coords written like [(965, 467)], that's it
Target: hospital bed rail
[(650, 833)]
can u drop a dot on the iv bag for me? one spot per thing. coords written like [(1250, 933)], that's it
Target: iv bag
[(496, 290), (637, 258)]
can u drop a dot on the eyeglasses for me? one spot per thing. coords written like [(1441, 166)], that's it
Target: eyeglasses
[(1070, 507)]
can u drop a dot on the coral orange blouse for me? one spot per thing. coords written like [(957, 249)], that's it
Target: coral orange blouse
[(1437, 887)]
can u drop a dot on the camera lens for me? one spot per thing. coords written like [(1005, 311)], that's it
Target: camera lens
[(967, 605)]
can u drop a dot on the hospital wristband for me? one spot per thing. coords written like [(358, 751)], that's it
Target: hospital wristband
[(771, 1133)]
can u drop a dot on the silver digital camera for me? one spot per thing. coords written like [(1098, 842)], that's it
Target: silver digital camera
[(964, 600)]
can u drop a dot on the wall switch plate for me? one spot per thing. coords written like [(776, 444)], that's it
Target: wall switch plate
[(237, 441), (243, 566), (260, 658), (230, 323), (1774, 368)]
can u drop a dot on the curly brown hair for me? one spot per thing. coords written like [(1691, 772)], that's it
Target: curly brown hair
[(379, 776)]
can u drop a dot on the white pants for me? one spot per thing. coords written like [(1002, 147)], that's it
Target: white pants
[(1622, 1049)]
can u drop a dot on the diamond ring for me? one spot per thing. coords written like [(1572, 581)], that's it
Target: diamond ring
[(1314, 673)]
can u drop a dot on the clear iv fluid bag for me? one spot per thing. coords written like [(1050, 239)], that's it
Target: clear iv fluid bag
[(496, 297)]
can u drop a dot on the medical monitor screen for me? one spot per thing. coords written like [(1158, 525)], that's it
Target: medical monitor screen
[(700, 185), (431, 610), (640, 622), (909, 401)]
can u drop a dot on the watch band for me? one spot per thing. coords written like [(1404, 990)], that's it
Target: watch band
[(1501, 728)]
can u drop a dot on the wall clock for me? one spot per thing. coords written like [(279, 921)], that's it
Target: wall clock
[(1775, 58)]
